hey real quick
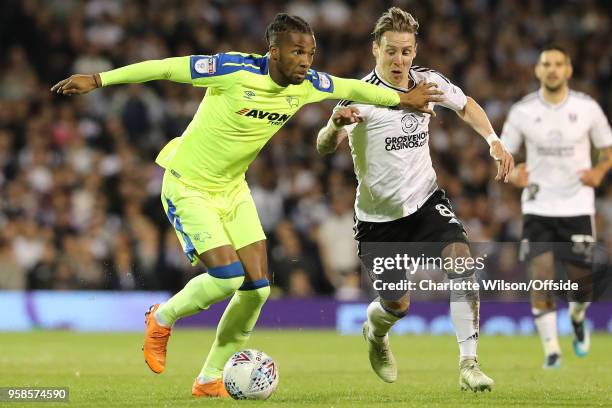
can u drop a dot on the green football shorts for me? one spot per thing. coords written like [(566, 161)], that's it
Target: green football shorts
[(206, 220)]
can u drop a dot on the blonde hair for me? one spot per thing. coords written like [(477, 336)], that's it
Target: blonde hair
[(395, 19)]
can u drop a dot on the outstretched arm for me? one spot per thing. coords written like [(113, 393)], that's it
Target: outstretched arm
[(476, 117), (173, 69), (417, 99)]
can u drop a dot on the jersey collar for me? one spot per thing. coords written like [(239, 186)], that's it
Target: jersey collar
[(388, 85), (550, 105), (266, 71)]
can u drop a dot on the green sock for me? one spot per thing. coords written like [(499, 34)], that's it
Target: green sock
[(199, 293), (235, 328)]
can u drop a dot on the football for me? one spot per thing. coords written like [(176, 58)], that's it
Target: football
[(250, 374)]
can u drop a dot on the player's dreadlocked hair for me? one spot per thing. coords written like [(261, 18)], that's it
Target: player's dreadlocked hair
[(395, 19), (282, 23)]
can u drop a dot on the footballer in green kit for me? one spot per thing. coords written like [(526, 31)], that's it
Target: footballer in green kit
[(249, 98)]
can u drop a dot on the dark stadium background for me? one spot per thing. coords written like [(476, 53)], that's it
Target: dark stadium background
[(79, 191)]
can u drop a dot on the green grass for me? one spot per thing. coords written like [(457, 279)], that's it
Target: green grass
[(317, 368)]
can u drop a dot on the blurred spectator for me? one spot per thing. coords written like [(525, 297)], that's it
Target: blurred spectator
[(337, 247), (299, 284), (268, 199), (289, 256), (12, 276)]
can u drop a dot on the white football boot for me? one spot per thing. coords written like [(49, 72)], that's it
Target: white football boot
[(381, 358), (472, 378)]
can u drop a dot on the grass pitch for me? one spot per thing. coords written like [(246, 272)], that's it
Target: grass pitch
[(317, 368)]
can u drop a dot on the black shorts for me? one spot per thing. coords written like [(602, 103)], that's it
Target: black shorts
[(425, 233), (435, 221), (571, 239)]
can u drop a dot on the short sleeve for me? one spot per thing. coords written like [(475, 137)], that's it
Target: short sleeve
[(454, 98), (600, 132), (512, 137), (212, 71)]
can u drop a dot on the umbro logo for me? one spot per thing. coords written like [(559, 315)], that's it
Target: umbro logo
[(249, 94)]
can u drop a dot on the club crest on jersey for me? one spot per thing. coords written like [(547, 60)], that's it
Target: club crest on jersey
[(555, 136), (410, 123), (273, 118), (205, 65), (293, 101), (573, 117)]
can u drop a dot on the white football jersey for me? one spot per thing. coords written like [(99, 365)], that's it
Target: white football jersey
[(558, 143), (390, 151)]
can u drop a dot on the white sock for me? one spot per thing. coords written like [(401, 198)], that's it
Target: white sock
[(577, 310), (379, 320), (465, 320), (465, 314), (467, 348), (546, 323)]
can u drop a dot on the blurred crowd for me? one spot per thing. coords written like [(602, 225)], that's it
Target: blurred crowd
[(79, 191)]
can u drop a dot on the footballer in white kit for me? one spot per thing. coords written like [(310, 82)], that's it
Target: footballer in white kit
[(398, 199), (559, 127)]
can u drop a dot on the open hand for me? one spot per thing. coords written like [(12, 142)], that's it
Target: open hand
[(346, 116), (419, 97), (505, 161), (76, 84), (591, 177), (520, 176)]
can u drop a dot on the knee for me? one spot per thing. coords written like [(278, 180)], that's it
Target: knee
[(231, 274), (399, 307), (257, 291), (461, 267), (542, 266), (235, 284), (539, 306)]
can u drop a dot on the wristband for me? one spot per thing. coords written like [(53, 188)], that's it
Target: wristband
[(492, 138), (333, 125), (95, 78)]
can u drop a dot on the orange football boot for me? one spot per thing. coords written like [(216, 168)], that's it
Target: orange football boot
[(155, 342), (210, 389)]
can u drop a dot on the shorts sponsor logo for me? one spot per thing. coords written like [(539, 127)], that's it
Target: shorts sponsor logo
[(206, 65)]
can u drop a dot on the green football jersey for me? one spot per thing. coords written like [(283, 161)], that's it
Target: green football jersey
[(241, 110)]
